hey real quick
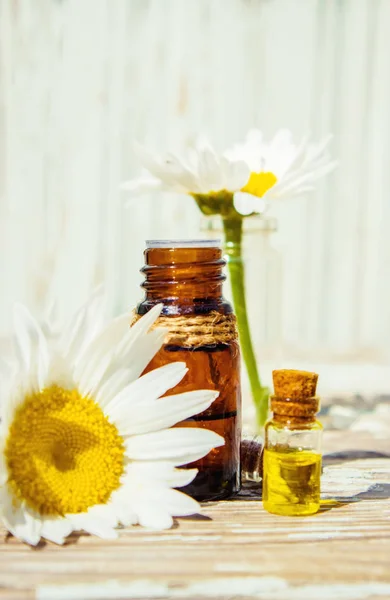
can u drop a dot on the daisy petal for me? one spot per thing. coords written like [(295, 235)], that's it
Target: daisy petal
[(237, 174), (126, 516), (31, 346), (151, 518), (165, 474), (60, 372), (144, 324), (149, 386), (19, 521), (136, 350), (113, 386), (176, 503), (56, 530), (120, 504), (142, 185), (165, 412), (3, 469), (94, 361), (143, 350), (82, 328), (178, 445), (201, 170), (103, 512), (155, 506), (93, 525), (99, 360), (244, 203)]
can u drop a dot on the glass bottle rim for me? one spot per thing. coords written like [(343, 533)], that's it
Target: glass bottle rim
[(150, 244)]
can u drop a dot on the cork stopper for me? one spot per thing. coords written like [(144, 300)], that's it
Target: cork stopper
[(290, 383), (294, 401)]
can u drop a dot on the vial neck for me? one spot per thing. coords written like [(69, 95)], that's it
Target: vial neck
[(294, 412), (183, 274)]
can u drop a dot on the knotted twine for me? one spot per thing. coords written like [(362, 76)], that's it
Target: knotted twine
[(194, 331)]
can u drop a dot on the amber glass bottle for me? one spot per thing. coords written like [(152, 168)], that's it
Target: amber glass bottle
[(187, 278)]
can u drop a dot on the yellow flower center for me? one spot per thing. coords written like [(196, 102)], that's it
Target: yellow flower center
[(259, 183), (62, 453)]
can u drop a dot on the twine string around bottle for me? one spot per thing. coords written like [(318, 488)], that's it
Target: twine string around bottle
[(194, 331)]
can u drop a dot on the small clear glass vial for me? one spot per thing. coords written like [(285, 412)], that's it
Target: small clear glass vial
[(292, 446)]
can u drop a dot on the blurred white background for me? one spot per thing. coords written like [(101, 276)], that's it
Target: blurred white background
[(81, 79)]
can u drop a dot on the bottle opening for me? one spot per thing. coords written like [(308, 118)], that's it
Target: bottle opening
[(183, 244)]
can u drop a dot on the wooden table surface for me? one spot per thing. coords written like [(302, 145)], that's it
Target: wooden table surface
[(235, 549)]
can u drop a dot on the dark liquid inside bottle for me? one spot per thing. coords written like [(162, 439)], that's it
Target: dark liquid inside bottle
[(194, 287)]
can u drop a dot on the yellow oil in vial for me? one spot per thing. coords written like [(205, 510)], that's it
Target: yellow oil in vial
[(291, 481)]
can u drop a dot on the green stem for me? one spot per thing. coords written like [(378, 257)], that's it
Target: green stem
[(233, 239)]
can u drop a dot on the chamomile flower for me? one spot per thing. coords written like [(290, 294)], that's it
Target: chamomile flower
[(86, 442), (240, 180), (278, 169)]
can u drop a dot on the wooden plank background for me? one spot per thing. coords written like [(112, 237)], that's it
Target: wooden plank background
[(81, 79)]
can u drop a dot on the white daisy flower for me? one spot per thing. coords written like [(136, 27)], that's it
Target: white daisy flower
[(277, 169), (209, 177), (241, 179), (85, 442)]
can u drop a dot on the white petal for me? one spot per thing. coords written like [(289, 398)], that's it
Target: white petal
[(156, 506), (56, 530), (3, 465), (148, 510), (166, 170), (200, 170), (146, 321), (118, 345), (120, 504), (60, 372), (180, 445), (31, 347), (164, 474), (113, 386), (209, 170), (143, 350), (137, 349), (18, 519), (176, 503), (83, 327), (93, 525), (7, 370), (164, 412), (142, 185), (184, 177), (19, 387), (316, 151), (151, 517), (134, 352), (103, 512), (93, 363), (181, 477), (245, 204), (89, 378), (149, 386), (125, 515), (237, 174)]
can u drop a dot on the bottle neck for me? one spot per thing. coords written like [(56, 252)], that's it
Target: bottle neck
[(294, 412), (185, 274)]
